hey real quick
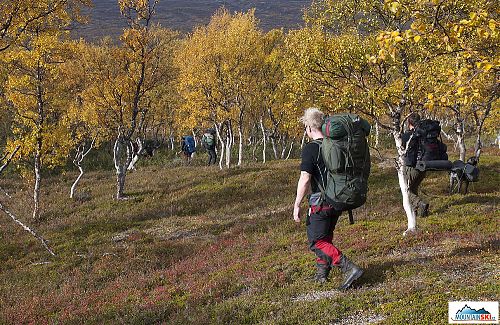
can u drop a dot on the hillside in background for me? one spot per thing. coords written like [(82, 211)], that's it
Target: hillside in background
[(198, 245), (183, 15)]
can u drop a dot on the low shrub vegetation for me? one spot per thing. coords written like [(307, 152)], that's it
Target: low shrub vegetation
[(201, 245)]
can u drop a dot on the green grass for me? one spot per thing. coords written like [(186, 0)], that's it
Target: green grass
[(198, 245)]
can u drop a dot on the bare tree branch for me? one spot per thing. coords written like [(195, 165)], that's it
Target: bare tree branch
[(28, 229), (8, 159)]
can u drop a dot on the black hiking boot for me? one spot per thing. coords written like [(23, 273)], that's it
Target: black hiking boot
[(351, 272), (423, 209), (322, 272)]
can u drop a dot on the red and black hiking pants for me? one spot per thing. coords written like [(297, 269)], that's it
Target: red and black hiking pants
[(321, 222)]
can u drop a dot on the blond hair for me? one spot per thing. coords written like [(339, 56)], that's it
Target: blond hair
[(313, 117)]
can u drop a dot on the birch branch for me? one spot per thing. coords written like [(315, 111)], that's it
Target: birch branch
[(8, 159), (28, 229), (5, 192), (447, 136)]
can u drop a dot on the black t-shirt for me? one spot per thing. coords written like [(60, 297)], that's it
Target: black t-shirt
[(312, 162)]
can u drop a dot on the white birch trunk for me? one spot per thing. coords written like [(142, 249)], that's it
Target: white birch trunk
[(195, 139), (80, 155), (290, 150), (222, 145), (195, 143), (377, 133), (275, 151), (229, 143), (120, 167), (36, 188), (478, 146), (233, 139), (303, 140), (120, 182), (172, 143), (255, 147), (403, 185), (264, 140), (38, 151), (222, 152), (461, 140), (228, 151), (135, 155), (73, 187), (283, 148), (240, 145), (480, 123)]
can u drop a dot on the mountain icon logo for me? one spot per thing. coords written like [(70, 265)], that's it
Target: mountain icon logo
[(470, 314), (472, 311)]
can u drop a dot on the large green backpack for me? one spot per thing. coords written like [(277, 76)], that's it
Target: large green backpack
[(346, 155)]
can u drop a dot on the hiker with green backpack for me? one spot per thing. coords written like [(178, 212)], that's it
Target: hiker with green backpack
[(208, 142), (335, 167)]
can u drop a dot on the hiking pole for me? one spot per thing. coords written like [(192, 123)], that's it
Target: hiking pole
[(351, 217)]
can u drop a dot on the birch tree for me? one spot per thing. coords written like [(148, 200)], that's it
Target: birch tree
[(4, 163), (124, 76), (33, 89)]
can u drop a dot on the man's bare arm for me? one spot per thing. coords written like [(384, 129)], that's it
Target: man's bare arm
[(303, 186)]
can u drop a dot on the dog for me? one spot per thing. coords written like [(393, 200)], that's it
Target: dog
[(462, 174)]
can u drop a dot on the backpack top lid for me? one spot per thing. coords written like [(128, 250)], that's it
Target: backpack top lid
[(335, 126), (428, 129), (430, 147)]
